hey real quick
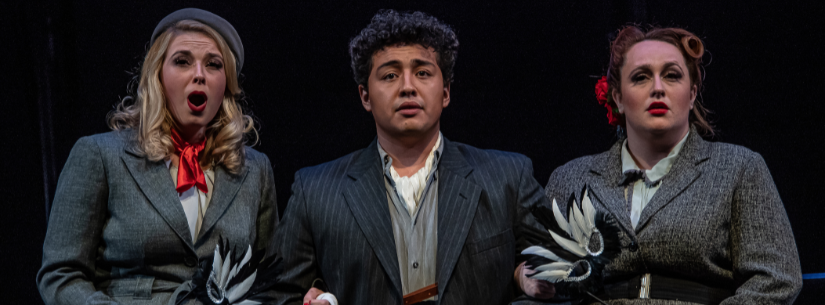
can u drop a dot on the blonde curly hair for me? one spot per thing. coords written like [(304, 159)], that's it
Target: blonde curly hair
[(226, 134)]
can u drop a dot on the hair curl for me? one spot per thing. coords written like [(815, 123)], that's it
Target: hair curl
[(145, 110), (389, 28), (688, 44)]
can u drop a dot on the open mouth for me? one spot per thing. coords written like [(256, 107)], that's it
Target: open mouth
[(197, 101), (657, 108)]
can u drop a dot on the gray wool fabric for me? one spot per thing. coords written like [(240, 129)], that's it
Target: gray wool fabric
[(214, 21), (118, 234), (717, 220)]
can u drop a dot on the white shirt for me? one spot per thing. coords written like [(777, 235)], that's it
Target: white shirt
[(194, 201), (641, 192), (411, 188)]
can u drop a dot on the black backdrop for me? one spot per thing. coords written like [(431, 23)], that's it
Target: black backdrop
[(523, 83)]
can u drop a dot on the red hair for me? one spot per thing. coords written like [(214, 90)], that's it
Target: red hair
[(688, 44)]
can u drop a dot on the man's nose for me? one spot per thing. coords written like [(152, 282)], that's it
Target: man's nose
[(408, 87)]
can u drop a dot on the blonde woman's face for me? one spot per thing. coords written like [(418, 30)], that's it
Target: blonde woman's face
[(194, 82), (656, 92)]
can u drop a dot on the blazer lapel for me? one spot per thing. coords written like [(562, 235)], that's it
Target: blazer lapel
[(156, 183), (224, 190), (605, 187), (367, 199), (457, 201), (682, 174)]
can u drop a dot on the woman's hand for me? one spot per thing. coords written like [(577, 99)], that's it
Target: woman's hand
[(534, 288), (311, 298)]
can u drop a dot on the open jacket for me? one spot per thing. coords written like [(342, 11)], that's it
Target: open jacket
[(337, 227), (717, 220), (117, 231)]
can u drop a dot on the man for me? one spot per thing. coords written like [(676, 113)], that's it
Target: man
[(412, 209)]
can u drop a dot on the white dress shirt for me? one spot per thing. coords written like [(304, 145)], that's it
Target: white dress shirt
[(641, 191), (194, 201), (410, 188)]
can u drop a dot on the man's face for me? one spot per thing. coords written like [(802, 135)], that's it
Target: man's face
[(406, 91)]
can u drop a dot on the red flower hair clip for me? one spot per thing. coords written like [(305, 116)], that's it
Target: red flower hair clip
[(604, 98)]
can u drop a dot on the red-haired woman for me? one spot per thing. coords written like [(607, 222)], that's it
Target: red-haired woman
[(702, 222)]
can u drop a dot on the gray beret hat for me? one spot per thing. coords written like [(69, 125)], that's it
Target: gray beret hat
[(214, 21)]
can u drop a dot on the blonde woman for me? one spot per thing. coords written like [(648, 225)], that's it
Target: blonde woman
[(137, 208)]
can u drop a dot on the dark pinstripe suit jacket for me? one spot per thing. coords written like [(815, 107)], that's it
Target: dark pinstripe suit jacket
[(716, 220), (337, 227)]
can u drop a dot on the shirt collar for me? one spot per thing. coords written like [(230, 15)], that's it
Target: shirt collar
[(386, 160), (660, 169)]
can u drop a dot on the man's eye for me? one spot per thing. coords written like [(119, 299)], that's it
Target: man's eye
[(423, 73), (390, 76)]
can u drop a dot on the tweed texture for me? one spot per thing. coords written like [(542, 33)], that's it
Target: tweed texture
[(337, 227), (717, 220), (117, 231)]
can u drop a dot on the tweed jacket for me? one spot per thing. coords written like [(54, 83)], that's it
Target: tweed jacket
[(117, 231), (717, 220), (337, 227)]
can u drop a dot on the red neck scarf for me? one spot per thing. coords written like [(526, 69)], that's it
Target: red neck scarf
[(189, 170)]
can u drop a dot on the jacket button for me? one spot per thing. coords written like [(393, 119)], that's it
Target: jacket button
[(415, 265), (634, 247), (190, 261)]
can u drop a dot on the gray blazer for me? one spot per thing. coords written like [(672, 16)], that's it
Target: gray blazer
[(717, 219), (117, 231), (337, 227)]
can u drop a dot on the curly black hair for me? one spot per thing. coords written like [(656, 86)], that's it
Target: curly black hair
[(389, 27)]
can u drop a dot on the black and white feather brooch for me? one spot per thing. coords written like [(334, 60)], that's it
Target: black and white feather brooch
[(230, 279), (572, 254)]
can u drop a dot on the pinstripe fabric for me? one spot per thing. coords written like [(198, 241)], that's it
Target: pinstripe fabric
[(337, 227), (717, 220)]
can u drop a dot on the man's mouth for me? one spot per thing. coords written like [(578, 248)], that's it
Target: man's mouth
[(197, 101), (409, 108)]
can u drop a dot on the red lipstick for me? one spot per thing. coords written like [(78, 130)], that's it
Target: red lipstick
[(409, 108), (197, 101), (657, 108)]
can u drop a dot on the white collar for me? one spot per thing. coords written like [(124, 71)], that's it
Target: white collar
[(660, 169)]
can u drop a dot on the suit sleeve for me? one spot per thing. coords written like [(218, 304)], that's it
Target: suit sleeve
[(268, 211), (531, 195), (74, 232), (297, 247), (765, 259)]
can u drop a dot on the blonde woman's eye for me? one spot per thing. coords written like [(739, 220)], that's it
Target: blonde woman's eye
[(216, 65), (180, 61)]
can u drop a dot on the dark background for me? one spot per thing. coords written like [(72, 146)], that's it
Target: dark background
[(524, 83)]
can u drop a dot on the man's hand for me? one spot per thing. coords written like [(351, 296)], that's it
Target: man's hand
[(312, 295), (534, 288)]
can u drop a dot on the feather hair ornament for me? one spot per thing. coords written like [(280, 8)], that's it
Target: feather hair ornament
[(572, 254), (230, 279)]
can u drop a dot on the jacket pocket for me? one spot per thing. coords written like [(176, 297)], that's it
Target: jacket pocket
[(138, 287), (503, 238)]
